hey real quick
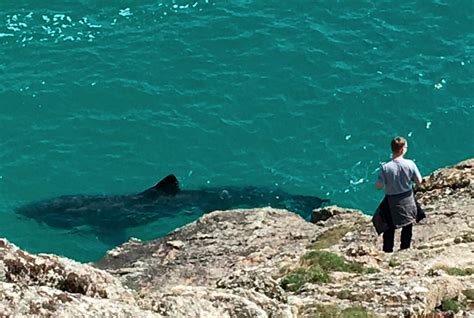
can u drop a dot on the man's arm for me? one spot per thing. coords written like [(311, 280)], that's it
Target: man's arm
[(417, 176), (418, 180)]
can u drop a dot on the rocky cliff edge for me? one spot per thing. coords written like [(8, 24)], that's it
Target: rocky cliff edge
[(266, 263)]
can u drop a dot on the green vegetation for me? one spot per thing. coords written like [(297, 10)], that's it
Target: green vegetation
[(332, 311), (296, 279), (371, 270), (315, 268), (451, 304), (460, 271), (317, 264), (469, 293), (356, 312), (330, 237), (454, 271), (393, 263), (332, 262), (468, 237), (327, 311)]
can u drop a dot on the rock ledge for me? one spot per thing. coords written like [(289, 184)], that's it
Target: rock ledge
[(266, 263)]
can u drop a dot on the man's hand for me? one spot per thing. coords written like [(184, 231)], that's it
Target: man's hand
[(379, 185), (418, 181)]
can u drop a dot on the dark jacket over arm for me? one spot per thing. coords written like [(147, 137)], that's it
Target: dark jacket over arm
[(381, 218)]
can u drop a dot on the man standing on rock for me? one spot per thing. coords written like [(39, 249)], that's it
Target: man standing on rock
[(396, 177)]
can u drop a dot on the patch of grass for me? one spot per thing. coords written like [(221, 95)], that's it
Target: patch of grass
[(296, 279), (460, 271), (330, 237), (356, 312), (315, 268), (332, 311), (454, 271), (468, 237), (334, 263), (393, 263), (327, 311), (451, 304), (317, 275), (327, 260), (371, 270), (469, 293)]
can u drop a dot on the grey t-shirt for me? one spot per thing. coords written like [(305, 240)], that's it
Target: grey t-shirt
[(397, 175)]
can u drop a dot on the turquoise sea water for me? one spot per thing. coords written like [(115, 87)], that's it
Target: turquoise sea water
[(107, 97)]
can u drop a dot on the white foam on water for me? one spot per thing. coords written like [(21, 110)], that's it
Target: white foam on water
[(13, 28), (361, 180), (125, 12), (58, 17)]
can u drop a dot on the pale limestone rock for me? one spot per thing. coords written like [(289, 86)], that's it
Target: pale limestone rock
[(215, 246), (189, 301), (43, 301), (231, 264), (26, 269), (176, 244)]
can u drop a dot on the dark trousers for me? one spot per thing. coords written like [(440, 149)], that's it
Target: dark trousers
[(389, 236)]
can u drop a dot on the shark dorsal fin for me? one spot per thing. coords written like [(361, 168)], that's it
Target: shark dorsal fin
[(168, 185)]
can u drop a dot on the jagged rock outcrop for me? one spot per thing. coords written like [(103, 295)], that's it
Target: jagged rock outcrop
[(24, 269), (214, 247), (230, 255), (51, 286), (266, 263)]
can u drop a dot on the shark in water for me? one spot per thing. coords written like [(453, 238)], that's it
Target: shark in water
[(109, 216)]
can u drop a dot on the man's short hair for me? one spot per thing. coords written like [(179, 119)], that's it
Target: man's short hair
[(397, 144)]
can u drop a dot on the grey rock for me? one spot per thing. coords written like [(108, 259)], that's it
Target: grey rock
[(214, 247), (231, 264)]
